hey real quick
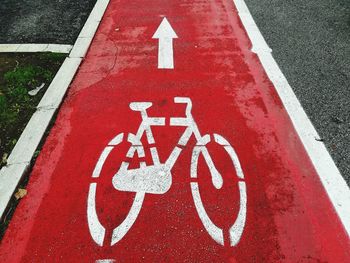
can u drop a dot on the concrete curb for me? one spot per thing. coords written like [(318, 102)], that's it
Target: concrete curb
[(21, 156), (25, 48), (333, 182)]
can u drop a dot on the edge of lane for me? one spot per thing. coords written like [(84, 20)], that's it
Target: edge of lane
[(19, 161), (330, 176)]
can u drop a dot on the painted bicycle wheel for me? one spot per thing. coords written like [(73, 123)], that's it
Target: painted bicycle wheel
[(217, 233), (97, 230)]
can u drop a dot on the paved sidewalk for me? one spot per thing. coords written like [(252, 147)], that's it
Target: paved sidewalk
[(174, 145)]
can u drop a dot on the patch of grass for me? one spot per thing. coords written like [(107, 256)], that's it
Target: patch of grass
[(26, 76), (15, 98), (20, 73), (52, 56)]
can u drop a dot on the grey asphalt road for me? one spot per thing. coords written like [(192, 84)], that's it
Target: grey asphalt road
[(42, 21), (310, 41)]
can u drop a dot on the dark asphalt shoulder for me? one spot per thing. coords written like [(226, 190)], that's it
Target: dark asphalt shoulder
[(43, 21), (310, 41)]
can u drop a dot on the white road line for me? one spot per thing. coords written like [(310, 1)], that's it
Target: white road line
[(86, 35), (165, 34), (120, 231), (237, 228), (26, 48), (97, 230), (214, 231), (335, 185), (106, 151), (21, 156)]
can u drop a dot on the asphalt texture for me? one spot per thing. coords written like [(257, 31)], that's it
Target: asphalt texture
[(310, 41), (43, 21)]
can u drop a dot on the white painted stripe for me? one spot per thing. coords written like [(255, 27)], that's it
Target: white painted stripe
[(81, 47), (120, 231), (101, 161), (57, 48), (59, 85), (237, 229), (229, 149), (215, 232), (106, 151), (20, 158), (86, 35), (10, 175), (165, 34), (335, 185), (97, 230), (155, 156), (116, 140)]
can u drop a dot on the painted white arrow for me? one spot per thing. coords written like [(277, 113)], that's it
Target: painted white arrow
[(165, 33)]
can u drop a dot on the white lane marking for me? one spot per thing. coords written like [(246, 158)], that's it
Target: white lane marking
[(136, 146), (106, 151), (155, 156), (165, 34), (55, 92), (120, 231), (157, 178), (57, 48), (335, 185), (216, 177), (215, 232), (105, 261), (116, 140), (229, 149), (97, 231), (153, 179), (21, 155), (11, 174), (237, 229), (87, 33)]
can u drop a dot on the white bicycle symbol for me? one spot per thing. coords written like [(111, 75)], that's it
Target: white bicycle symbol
[(157, 178)]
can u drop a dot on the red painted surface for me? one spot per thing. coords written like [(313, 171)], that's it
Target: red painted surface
[(289, 218)]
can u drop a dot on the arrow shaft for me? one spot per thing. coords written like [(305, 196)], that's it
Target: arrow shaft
[(165, 53)]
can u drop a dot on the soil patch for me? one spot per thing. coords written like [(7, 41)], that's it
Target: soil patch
[(20, 74)]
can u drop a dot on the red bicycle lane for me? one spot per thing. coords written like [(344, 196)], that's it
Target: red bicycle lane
[(288, 216)]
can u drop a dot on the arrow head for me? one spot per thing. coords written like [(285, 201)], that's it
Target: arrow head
[(165, 30)]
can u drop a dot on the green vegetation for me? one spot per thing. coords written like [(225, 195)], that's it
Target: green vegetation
[(15, 98), (19, 74), (58, 57)]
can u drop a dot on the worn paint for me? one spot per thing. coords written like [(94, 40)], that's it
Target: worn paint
[(165, 33), (289, 216)]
